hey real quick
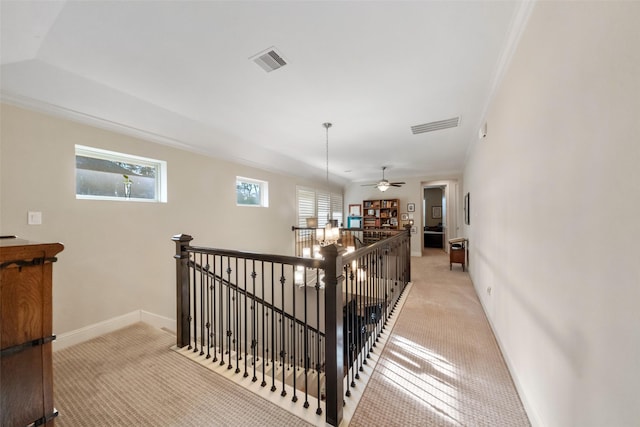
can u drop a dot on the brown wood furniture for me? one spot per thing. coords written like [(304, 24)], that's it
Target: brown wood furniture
[(381, 213), (457, 251), (26, 368)]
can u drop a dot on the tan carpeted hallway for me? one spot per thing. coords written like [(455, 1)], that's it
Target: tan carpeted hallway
[(440, 367)]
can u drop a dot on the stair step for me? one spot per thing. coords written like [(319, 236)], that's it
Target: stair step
[(297, 371)]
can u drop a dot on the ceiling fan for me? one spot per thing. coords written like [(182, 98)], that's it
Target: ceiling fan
[(384, 184)]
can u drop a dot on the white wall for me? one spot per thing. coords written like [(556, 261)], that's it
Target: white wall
[(118, 255), (555, 208)]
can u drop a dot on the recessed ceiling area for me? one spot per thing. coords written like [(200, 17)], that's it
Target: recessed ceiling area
[(182, 73)]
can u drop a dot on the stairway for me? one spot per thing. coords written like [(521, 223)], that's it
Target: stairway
[(301, 400)]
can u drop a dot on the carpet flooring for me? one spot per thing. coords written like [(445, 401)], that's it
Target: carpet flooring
[(131, 377), (441, 366)]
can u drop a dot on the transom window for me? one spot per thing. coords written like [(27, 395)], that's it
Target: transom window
[(252, 192), (108, 175)]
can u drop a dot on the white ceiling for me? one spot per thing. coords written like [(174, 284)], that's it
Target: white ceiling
[(179, 73)]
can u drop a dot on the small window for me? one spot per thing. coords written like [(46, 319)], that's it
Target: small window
[(252, 192), (107, 175)]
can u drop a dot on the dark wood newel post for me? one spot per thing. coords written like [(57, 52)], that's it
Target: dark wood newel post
[(182, 289), (334, 333)]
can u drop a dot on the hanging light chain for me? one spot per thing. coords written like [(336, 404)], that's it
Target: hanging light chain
[(327, 125)]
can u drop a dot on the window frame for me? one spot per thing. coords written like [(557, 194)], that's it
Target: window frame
[(320, 198), (160, 167), (264, 191)]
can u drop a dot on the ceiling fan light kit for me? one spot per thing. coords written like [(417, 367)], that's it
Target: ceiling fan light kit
[(384, 184)]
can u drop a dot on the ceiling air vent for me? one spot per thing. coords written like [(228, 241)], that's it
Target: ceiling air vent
[(439, 125), (269, 60)]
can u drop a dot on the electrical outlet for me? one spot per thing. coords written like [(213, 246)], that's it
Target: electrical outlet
[(34, 218)]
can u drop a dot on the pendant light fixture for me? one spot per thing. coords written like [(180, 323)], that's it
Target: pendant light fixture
[(328, 235)]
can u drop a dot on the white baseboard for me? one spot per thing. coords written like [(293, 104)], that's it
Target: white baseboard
[(92, 331), (532, 414), (158, 321)]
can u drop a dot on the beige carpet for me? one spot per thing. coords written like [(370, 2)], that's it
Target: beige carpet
[(440, 367), (131, 378)]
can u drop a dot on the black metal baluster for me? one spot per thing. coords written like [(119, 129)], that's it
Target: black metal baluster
[(367, 313), (380, 287), (229, 309), (319, 409), (373, 257), (349, 343), (300, 345), (365, 304), (246, 335), (293, 334), (202, 291), (360, 310), (208, 297), (283, 353), (273, 330), (254, 315), (265, 341), (306, 345), (223, 335), (385, 287), (370, 303), (237, 339), (359, 315), (215, 281), (194, 313)]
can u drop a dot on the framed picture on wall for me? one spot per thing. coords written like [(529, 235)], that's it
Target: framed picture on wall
[(411, 207), (404, 217), (355, 210), (436, 212), (467, 215)]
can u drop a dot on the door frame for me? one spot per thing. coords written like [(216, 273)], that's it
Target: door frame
[(450, 193)]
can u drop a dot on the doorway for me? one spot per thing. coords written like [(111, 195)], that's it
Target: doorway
[(434, 212)]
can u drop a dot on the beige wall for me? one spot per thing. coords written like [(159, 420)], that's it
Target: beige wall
[(555, 203), (118, 254)]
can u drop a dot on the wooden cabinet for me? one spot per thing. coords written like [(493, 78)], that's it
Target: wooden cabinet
[(381, 214), (457, 252), (26, 367)]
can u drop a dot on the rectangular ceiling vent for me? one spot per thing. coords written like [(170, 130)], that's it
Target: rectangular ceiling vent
[(439, 125), (269, 60)]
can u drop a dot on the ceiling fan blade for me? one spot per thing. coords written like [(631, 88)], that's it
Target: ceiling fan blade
[(398, 183), (395, 185), (368, 185)]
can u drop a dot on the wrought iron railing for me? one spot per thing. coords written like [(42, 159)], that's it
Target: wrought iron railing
[(305, 238), (304, 326)]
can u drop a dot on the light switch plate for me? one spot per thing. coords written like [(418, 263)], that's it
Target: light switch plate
[(34, 218)]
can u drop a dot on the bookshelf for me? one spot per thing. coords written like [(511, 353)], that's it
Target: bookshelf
[(383, 213)]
